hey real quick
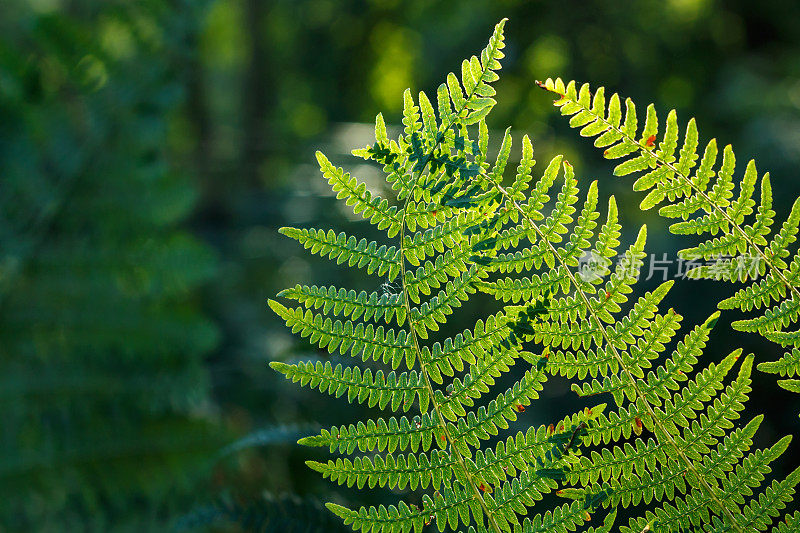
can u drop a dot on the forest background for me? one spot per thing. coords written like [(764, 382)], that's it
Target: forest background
[(150, 149)]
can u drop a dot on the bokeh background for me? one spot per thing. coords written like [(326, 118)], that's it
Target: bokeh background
[(150, 149)]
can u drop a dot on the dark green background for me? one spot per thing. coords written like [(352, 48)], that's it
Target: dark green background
[(149, 150)]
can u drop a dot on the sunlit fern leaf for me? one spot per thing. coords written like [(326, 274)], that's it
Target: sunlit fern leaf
[(374, 306), (693, 509), (381, 260), (792, 385), (461, 231), (355, 194), (741, 244), (788, 365), (760, 513)]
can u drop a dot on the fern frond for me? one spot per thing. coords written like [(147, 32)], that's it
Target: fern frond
[(467, 347), (433, 275), (792, 385), (790, 524), (450, 506), (694, 510), (460, 230), (393, 471), (379, 435), (435, 311), (684, 187), (759, 514)]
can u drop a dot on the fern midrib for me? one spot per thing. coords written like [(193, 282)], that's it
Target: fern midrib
[(699, 191), (434, 404), (619, 358), (411, 322)]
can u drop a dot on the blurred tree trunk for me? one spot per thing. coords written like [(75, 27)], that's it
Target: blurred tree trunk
[(197, 111), (256, 91)]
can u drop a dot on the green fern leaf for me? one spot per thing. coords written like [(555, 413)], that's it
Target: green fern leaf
[(460, 230)]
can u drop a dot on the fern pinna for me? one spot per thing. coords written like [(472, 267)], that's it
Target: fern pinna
[(460, 229), (747, 246)]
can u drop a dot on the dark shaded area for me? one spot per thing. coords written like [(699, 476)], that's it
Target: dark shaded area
[(149, 151)]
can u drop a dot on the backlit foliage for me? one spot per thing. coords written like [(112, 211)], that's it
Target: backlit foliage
[(668, 435), (699, 191)]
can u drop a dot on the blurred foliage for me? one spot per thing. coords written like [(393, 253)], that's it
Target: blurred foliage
[(132, 131), (266, 514), (103, 391)]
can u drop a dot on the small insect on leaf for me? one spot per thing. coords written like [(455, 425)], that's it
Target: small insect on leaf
[(571, 493), (637, 426), (651, 141)]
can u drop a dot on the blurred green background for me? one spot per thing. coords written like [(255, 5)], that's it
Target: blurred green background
[(150, 149)]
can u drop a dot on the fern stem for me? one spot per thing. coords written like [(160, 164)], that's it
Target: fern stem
[(442, 423), (617, 356), (457, 115), (777, 271)]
